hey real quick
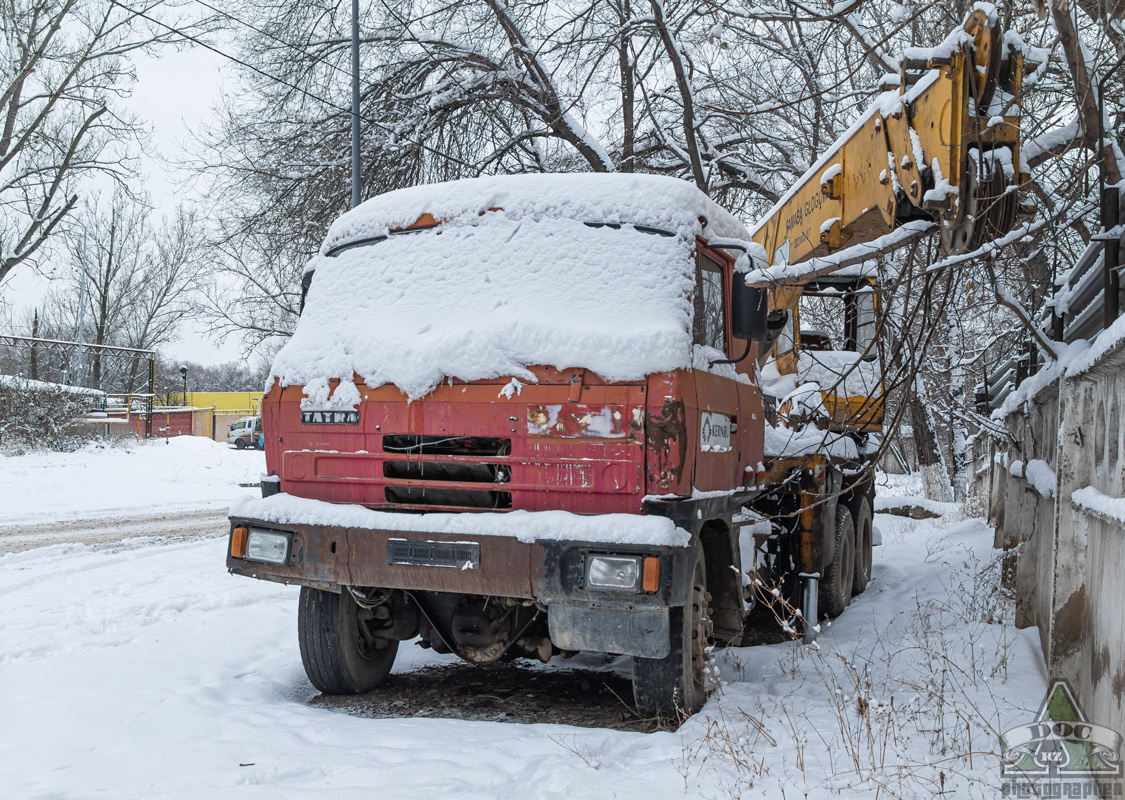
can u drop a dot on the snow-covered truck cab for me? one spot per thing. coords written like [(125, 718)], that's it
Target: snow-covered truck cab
[(519, 416)]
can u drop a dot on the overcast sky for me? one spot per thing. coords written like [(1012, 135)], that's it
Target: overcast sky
[(176, 93)]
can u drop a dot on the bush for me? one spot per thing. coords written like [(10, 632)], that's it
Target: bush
[(34, 414)]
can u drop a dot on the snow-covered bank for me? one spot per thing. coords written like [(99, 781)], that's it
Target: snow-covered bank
[(903, 696), (184, 472), (172, 679)]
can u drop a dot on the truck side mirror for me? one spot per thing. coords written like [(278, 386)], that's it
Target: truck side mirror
[(749, 306)]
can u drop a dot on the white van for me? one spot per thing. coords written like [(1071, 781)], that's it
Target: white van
[(245, 433)]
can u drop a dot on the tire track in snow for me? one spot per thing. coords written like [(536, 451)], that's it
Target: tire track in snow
[(167, 526)]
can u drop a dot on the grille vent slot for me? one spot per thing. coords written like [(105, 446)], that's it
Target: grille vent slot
[(412, 445), (460, 498), (453, 473), (434, 554)]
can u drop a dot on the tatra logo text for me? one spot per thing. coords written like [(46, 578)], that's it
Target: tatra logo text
[(330, 417)]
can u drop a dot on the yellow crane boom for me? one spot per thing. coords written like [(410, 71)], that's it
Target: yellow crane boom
[(933, 150), (944, 149)]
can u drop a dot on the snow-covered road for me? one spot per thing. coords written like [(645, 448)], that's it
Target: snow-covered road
[(155, 524), (133, 666), (186, 473), (148, 671), (160, 491)]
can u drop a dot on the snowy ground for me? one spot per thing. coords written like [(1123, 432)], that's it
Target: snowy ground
[(147, 671), (184, 472)]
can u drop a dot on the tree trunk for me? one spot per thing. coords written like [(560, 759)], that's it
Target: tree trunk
[(931, 461), (1105, 12), (625, 64), (683, 82), (958, 434), (34, 348), (1086, 97), (105, 286)]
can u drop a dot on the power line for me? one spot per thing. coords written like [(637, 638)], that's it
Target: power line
[(406, 27), (330, 65), (270, 36), (283, 82)]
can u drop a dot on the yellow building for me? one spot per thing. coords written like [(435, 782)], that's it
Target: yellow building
[(245, 402), (215, 412), (227, 408)]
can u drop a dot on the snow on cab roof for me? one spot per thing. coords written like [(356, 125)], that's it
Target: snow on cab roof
[(531, 282), (490, 298), (669, 204)]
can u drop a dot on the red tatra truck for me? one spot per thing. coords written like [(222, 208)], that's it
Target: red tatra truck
[(523, 416), (527, 415)]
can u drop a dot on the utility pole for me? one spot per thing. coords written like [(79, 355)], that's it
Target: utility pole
[(82, 310), (355, 103)]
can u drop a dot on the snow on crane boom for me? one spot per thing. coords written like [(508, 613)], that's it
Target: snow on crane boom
[(943, 147)]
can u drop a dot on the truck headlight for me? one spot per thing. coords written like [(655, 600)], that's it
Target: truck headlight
[(621, 573), (268, 547)]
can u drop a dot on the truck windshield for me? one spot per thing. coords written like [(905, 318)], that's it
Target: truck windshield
[(490, 299)]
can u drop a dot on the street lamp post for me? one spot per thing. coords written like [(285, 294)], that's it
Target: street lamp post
[(183, 373), (355, 103)]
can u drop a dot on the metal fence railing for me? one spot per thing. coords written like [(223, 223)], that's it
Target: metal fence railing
[(1090, 298)]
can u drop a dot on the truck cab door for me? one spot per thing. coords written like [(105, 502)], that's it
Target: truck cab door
[(721, 435)]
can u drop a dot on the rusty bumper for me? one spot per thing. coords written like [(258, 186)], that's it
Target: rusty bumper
[(547, 571)]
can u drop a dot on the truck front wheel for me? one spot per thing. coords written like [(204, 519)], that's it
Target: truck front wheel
[(673, 686), (340, 653)]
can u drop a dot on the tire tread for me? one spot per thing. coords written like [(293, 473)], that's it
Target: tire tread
[(833, 597), (322, 627), (659, 684)]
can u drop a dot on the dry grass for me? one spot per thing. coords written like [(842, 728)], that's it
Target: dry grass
[(910, 714)]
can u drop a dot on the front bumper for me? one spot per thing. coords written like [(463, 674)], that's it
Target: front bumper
[(548, 572)]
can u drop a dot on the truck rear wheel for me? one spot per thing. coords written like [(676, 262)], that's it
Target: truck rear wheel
[(836, 585), (340, 653), (673, 686), (861, 517)]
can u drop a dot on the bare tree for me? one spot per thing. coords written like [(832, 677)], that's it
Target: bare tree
[(139, 283), (233, 376), (63, 77), (257, 288)]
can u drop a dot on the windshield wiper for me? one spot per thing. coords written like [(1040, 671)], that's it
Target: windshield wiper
[(340, 248)]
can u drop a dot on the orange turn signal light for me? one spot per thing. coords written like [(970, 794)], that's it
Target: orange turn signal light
[(238, 542), (651, 580)]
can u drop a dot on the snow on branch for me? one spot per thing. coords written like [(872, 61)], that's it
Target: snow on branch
[(558, 116), (849, 256), (1008, 300), (683, 82), (1052, 143)]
